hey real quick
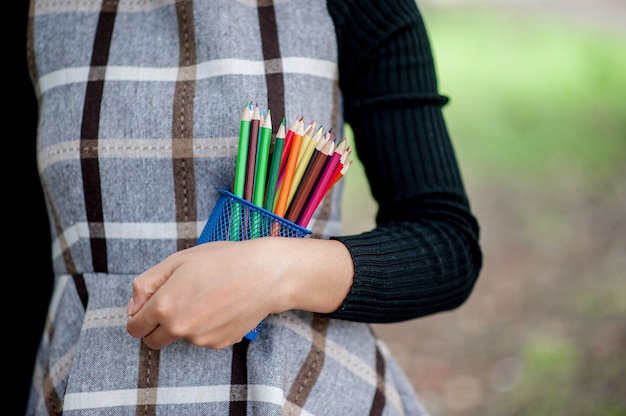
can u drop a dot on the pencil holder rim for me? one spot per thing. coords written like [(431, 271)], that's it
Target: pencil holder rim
[(253, 207)]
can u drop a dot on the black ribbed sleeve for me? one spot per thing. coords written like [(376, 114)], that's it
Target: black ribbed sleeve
[(424, 255)]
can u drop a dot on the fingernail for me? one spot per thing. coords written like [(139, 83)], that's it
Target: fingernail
[(129, 308)]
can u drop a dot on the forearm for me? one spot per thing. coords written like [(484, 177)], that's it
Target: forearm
[(407, 270)]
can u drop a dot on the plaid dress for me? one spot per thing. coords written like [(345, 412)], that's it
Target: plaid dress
[(139, 115)]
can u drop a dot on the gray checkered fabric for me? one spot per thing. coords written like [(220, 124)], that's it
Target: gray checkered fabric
[(139, 115)]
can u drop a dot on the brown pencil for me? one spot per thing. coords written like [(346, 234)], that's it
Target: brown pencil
[(309, 182), (318, 193)]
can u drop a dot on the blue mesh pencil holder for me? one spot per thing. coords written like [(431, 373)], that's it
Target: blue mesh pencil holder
[(235, 219)]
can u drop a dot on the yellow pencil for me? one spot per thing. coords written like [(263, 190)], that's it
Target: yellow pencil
[(306, 151)]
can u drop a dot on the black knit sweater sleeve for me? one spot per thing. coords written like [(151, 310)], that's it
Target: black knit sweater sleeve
[(424, 255)]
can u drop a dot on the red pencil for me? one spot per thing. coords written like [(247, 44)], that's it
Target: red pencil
[(310, 181), (321, 187), (338, 170), (290, 168), (288, 139)]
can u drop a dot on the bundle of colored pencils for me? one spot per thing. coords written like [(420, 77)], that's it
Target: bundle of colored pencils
[(288, 173)]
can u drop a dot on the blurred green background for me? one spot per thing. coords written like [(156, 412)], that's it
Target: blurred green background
[(537, 115)]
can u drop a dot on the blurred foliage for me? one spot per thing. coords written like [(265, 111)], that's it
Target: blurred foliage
[(537, 112), (531, 96)]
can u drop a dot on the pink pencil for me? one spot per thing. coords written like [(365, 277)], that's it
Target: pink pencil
[(320, 189)]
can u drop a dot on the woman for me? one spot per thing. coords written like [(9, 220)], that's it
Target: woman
[(138, 123)]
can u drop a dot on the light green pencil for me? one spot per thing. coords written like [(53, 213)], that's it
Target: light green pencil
[(242, 152), (262, 160)]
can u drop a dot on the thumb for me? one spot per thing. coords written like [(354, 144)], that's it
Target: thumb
[(146, 284)]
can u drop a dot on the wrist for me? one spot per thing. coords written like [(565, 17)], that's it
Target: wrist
[(316, 275)]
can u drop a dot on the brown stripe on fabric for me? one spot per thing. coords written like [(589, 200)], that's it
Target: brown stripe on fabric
[(323, 214), (271, 57), (312, 365), (276, 103), (70, 266), (110, 6), (81, 288), (147, 381), (239, 379), (89, 131), (378, 403), (182, 129), (53, 401)]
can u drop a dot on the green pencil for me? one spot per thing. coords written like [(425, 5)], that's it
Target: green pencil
[(272, 180), (242, 152), (263, 154)]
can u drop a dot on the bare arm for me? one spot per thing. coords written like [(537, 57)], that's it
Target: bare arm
[(199, 296)]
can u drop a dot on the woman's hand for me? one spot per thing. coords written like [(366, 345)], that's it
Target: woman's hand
[(212, 294)]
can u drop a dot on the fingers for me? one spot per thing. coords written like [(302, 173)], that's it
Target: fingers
[(158, 339), (219, 338), (147, 283), (196, 295), (142, 324)]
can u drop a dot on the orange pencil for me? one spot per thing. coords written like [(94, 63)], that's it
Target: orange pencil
[(283, 162), (320, 189), (299, 192), (290, 168)]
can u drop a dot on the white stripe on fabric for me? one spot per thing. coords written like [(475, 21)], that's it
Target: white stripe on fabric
[(314, 67), (63, 6), (387, 355), (137, 149), (61, 368), (57, 294), (100, 399), (171, 395), (124, 231), (216, 68), (109, 317), (105, 318), (57, 373)]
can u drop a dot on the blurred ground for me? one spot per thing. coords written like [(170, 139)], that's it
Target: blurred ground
[(544, 332), (551, 294)]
